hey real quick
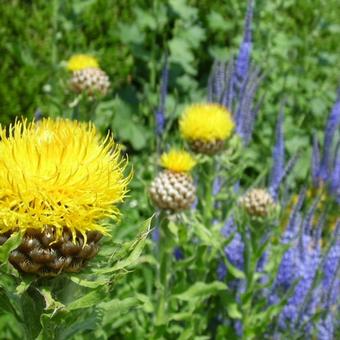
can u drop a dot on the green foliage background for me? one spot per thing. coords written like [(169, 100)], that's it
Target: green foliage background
[(295, 44)]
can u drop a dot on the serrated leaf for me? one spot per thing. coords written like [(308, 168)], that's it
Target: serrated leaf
[(136, 249)]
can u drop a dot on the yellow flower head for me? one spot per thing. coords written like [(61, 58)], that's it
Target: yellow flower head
[(81, 61), (177, 161), (58, 173), (206, 122)]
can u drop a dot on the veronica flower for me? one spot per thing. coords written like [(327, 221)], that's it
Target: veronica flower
[(335, 176), (331, 127), (287, 269), (300, 263), (247, 110), (243, 58), (326, 167), (234, 84), (234, 250), (278, 158), (331, 279), (326, 328)]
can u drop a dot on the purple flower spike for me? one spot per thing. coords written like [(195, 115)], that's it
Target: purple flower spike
[(278, 157), (326, 328), (243, 59), (335, 178), (331, 127), (331, 279), (246, 111), (235, 84), (234, 250)]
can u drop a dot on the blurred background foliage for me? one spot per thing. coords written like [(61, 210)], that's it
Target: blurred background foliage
[(295, 44)]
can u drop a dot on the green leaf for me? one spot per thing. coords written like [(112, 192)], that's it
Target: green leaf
[(116, 308), (6, 304), (11, 244), (50, 302), (233, 311), (180, 53), (23, 286), (89, 284), (135, 249), (130, 34), (89, 300), (238, 274), (217, 23), (183, 9), (207, 236), (88, 324), (173, 229), (147, 303), (32, 304), (201, 290)]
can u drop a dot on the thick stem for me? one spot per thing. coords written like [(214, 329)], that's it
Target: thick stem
[(208, 203), (165, 260)]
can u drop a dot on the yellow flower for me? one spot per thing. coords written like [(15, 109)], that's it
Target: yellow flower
[(58, 173), (206, 122), (81, 61), (177, 161)]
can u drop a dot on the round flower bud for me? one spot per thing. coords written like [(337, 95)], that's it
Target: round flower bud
[(174, 191), (90, 81), (257, 202)]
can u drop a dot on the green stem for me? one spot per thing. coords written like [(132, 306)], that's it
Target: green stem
[(208, 204), (165, 252)]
